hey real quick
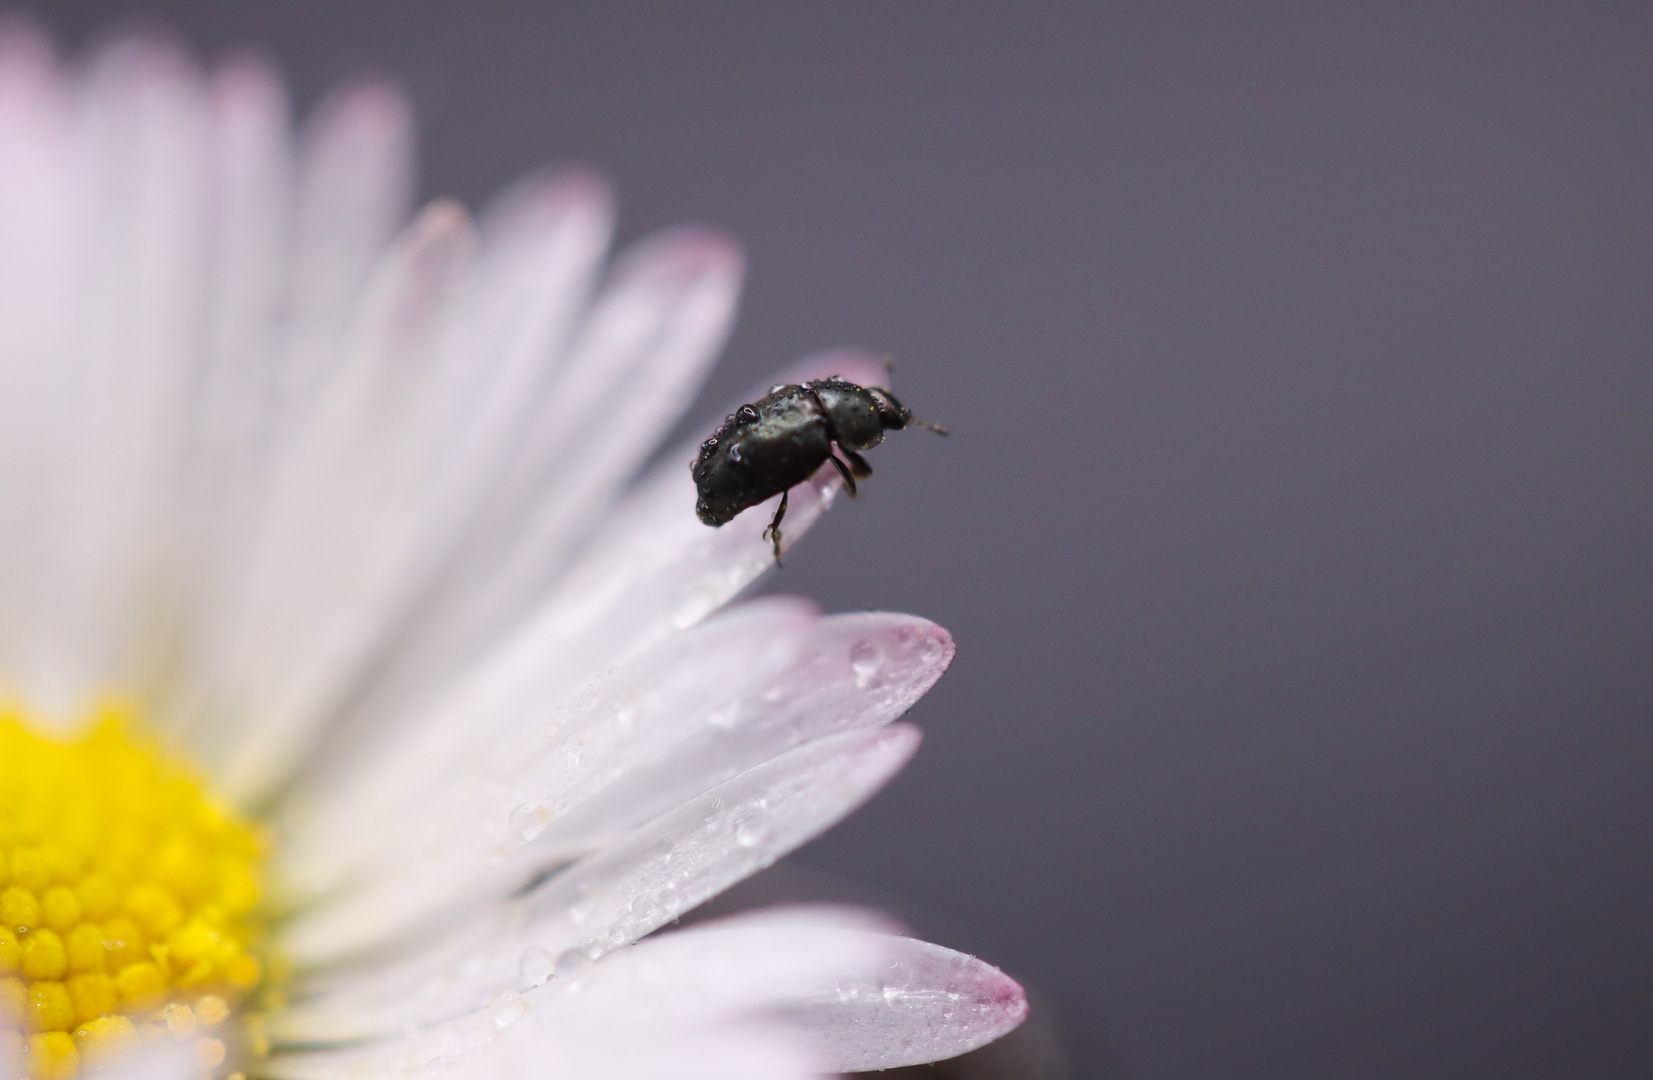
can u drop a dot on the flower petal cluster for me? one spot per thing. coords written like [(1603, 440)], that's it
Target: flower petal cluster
[(358, 509)]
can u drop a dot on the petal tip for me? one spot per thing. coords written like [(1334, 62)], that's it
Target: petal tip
[(366, 106), (694, 249)]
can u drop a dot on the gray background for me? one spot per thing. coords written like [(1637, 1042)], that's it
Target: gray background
[(1295, 527)]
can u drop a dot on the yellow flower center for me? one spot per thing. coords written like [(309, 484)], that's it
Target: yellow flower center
[(127, 898)]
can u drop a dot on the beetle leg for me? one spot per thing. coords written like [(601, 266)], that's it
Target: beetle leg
[(857, 465), (843, 470), (774, 530)]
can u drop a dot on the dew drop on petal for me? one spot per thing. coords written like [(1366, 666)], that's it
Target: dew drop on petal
[(695, 604), (573, 965), (507, 1008), (749, 828), (725, 718), (527, 821), (866, 658), (536, 966), (896, 977), (585, 901)]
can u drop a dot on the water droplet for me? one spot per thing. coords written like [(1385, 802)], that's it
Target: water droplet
[(724, 718), (573, 965), (736, 454), (507, 1008), (664, 845), (897, 976), (528, 821), (866, 658), (695, 604), (584, 903), (536, 966), (749, 828)]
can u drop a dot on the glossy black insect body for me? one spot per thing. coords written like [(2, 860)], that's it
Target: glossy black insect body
[(780, 440)]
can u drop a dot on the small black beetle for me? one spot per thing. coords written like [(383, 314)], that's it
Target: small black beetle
[(783, 437)]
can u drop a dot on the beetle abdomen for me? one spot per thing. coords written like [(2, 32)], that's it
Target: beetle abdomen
[(761, 450)]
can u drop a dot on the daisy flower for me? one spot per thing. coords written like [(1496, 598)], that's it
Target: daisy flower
[(371, 706)]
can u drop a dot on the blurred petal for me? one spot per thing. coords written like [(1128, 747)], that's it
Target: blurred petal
[(355, 183), (338, 536), (634, 366), (638, 884), (856, 1000)]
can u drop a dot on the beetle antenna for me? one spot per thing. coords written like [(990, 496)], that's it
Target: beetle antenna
[(927, 426)]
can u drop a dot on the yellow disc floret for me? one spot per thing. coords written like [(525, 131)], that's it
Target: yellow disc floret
[(127, 899)]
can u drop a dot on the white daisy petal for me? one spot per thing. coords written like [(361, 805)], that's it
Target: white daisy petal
[(858, 1000), (339, 532), (923, 1003), (638, 992), (711, 1052), (675, 722), (558, 753), (630, 373), (637, 884), (130, 349), (723, 1052), (355, 183), (818, 915), (250, 177), (856, 670), (40, 234), (542, 245)]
